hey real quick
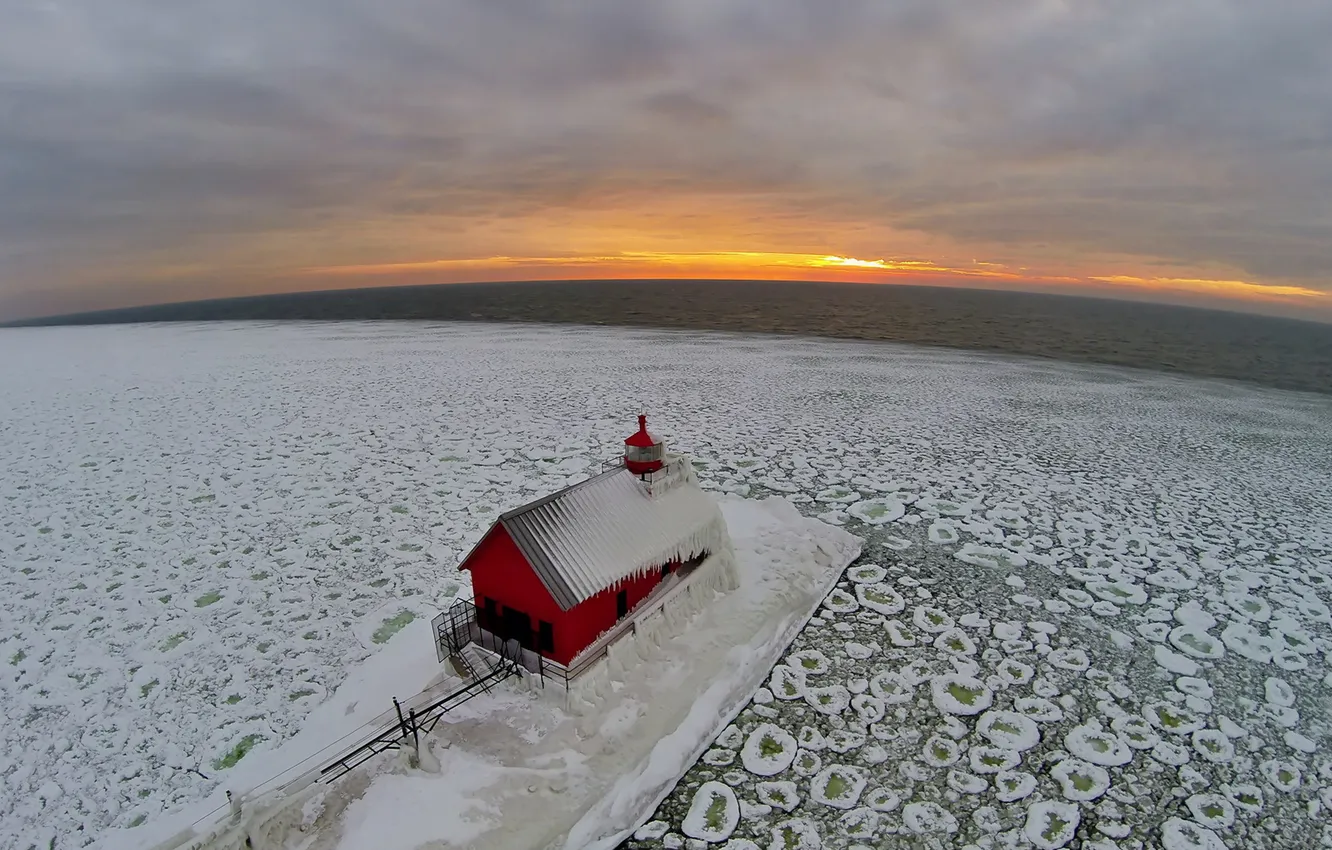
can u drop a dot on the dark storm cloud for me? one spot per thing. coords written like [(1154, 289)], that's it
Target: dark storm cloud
[(1190, 131)]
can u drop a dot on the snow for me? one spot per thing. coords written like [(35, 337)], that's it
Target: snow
[(940, 751), (783, 794), (1213, 745), (877, 511), (768, 750), (867, 573), (1278, 692), (838, 786), (811, 662), (892, 687), (357, 463), (712, 815), (932, 620), (438, 806), (1009, 730), (1039, 709), (1173, 719), (831, 700), (1069, 659), (1213, 811), (608, 787), (579, 541), (1196, 642), (1180, 834), (993, 759), (1173, 662), (960, 694), (1281, 775), (1081, 781), (1013, 785), (1168, 752), (1051, 824), (926, 818), (1247, 641), (1248, 798), (965, 783), (1097, 746), (882, 799), (1135, 732), (882, 598), (787, 682)]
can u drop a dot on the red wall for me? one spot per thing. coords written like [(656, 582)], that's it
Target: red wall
[(588, 619), (500, 571)]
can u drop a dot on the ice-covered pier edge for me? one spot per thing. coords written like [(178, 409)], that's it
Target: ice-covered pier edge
[(516, 771)]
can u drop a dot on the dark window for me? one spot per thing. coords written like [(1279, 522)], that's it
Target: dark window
[(665, 570), (546, 637), (621, 604), (490, 617)]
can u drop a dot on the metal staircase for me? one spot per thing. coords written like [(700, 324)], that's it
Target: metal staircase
[(483, 675)]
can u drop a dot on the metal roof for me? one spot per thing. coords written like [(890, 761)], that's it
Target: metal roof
[(596, 533)]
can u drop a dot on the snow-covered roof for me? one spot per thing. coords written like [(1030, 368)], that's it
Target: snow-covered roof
[(598, 532)]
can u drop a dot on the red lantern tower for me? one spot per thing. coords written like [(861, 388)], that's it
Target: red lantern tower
[(643, 453)]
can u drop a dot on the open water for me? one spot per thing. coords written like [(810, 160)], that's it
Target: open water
[(1282, 353)]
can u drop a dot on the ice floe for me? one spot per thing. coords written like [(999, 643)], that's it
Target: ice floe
[(782, 794), (1081, 781), (877, 511), (1051, 824), (882, 598), (1013, 785), (959, 694), (924, 818), (838, 785), (355, 527), (713, 813), (768, 750), (1213, 811), (1180, 834), (1009, 730)]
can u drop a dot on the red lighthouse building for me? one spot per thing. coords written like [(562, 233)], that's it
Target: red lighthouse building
[(560, 572)]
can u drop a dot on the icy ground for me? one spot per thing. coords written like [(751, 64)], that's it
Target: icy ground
[(527, 765), (203, 527)]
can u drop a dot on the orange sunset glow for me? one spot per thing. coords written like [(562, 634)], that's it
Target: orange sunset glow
[(754, 265), (168, 156)]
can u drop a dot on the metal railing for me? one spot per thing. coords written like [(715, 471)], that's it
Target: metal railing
[(423, 719), (464, 623)]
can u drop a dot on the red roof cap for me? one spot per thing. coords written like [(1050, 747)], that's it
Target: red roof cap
[(641, 437)]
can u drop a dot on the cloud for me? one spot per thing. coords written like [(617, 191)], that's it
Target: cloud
[(252, 139)]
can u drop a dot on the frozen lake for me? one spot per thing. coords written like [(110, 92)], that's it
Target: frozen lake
[(203, 526)]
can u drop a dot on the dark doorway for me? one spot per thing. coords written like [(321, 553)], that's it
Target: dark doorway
[(517, 626), (490, 616), (546, 638), (621, 604)]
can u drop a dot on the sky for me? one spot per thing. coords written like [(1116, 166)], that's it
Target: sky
[(1173, 150)]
